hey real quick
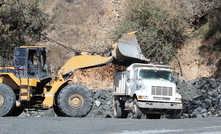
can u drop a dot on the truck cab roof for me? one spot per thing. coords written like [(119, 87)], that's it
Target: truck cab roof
[(148, 66)]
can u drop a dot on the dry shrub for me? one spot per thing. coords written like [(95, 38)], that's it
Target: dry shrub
[(160, 25)]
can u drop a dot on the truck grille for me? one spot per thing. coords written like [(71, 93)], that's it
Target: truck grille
[(164, 91)]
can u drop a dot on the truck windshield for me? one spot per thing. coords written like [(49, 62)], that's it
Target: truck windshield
[(156, 74)]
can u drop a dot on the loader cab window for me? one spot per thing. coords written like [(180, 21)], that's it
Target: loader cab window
[(20, 59), (32, 62), (44, 65)]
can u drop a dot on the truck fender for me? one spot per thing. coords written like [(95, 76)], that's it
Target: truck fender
[(136, 94), (178, 95)]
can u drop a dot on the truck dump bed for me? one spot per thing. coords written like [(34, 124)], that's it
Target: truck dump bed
[(120, 83)]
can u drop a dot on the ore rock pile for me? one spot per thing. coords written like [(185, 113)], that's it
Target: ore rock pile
[(102, 103), (102, 106), (201, 98)]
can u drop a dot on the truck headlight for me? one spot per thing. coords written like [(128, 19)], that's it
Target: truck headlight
[(178, 99), (142, 97)]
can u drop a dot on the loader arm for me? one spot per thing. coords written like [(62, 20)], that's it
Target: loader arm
[(125, 52), (83, 61)]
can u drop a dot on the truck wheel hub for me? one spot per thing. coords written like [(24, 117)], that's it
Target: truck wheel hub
[(76, 101), (2, 100)]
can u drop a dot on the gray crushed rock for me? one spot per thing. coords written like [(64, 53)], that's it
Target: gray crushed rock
[(201, 98)]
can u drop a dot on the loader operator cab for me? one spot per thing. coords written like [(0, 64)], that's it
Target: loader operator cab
[(30, 62)]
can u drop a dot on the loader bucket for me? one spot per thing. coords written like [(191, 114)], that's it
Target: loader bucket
[(128, 51)]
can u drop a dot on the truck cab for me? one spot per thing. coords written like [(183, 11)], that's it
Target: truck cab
[(147, 89), (149, 82)]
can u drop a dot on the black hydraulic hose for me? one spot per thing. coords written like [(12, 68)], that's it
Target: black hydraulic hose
[(49, 39)]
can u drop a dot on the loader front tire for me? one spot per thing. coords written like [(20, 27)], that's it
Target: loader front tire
[(16, 111), (74, 100), (7, 100)]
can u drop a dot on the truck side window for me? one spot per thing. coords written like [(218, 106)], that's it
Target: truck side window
[(128, 75), (135, 74)]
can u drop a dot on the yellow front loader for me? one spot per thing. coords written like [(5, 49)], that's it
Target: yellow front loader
[(28, 84)]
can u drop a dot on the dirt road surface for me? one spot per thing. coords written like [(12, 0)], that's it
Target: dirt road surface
[(61, 125)]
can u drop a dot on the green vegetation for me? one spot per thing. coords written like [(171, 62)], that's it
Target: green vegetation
[(20, 23), (160, 25)]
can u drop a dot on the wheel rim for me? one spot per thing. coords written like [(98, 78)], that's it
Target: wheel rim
[(76, 101), (134, 110), (2, 100)]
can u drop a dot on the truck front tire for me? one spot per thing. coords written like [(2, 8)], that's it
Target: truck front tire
[(175, 114), (136, 110), (74, 100), (7, 100)]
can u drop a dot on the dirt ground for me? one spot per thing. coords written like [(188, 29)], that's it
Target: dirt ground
[(193, 64), (64, 125)]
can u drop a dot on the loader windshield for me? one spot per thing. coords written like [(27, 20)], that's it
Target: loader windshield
[(156, 74)]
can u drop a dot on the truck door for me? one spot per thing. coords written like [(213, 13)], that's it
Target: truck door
[(131, 82)]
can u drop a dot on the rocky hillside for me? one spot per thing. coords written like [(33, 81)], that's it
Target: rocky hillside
[(87, 26)]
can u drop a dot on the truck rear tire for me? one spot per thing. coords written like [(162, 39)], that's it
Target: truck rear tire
[(119, 111), (74, 100), (136, 110), (7, 100)]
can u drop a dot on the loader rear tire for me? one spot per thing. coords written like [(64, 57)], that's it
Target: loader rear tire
[(74, 100), (7, 100)]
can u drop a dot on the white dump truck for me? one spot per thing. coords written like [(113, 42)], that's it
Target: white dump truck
[(146, 89)]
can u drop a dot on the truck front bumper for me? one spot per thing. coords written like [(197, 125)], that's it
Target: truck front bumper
[(158, 105)]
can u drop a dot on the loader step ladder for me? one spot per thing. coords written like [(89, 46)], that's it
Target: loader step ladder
[(24, 93)]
